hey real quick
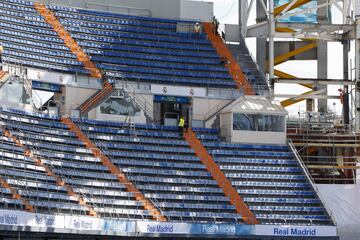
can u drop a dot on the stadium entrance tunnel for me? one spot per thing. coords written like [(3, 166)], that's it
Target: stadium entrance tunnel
[(171, 108)]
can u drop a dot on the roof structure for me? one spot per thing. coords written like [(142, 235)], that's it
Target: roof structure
[(255, 104)]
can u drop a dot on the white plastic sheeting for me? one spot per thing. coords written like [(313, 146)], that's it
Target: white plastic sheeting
[(344, 203)]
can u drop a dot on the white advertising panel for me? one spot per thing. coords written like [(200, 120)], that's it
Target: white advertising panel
[(160, 227), (295, 231), (178, 91)]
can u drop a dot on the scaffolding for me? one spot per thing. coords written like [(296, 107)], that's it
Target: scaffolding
[(329, 146)]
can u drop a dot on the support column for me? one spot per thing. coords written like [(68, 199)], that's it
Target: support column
[(271, 47), (323, 17), (346, 112), (357, 67), (260, 42)]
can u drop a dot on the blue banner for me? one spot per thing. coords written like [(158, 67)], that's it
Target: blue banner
[(51, 87), (308, 17)]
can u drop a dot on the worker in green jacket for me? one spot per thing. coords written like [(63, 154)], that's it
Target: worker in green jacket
[(181, 125)]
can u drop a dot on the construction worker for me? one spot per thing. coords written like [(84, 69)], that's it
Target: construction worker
[(181, 125), (215, 24), (197, 28)]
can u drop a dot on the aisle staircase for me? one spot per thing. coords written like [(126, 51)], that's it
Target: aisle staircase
[(220, 178), (233, 67), (113, 169), (97, 98), (51, 19), (59, 181)]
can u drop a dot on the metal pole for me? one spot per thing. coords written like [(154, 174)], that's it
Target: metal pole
[(271, 47), (346, 115), (357, 67)]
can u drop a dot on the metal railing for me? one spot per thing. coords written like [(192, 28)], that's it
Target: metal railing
[(140, 101), (310, 179)]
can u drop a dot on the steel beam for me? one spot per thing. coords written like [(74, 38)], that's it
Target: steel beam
[(306, 97), (299, 98), (278, 10), (289, 76), (284, 57), (314, 81)]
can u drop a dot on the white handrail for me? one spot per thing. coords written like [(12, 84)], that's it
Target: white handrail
[(311, 180)]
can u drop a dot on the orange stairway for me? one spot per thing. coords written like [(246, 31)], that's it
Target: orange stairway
[(130, 187), (97, 98), (223, 51), (16, 195), (51, 19), (216, 173), (2, 74), (49, 172)]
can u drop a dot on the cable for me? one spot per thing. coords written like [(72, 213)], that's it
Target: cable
[(228, 12)]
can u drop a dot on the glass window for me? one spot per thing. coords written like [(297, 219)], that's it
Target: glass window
[(258, 122), (120, 106)]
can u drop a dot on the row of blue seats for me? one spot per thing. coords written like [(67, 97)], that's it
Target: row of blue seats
[(136, 41), (140, 126), (48, 139), (7, 40), (145, 148), (115, 202), (124, 65), (169, 79), (73, 28), (154, 49), (30, 184), (236, 168), (45, 65), (51, 124), (202, 214), (96, 183), (178, 181), (67, 156), (184, 197), (137, 139), (196, 206), (53, 196), (123, 20), (217, 152), (40, 129), (61, 148), (189, 190), (270, 184), (286, 208), (127, 154), (272, 192), (69, 167), (162, 164), (53, 53), (246, 146), (266, 161), (280, 200), (126, 27), (160, 61), (42, 58), (235, 176), (104, 192), (124, 211), (114, 131), (287, 217), (165, 172)]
